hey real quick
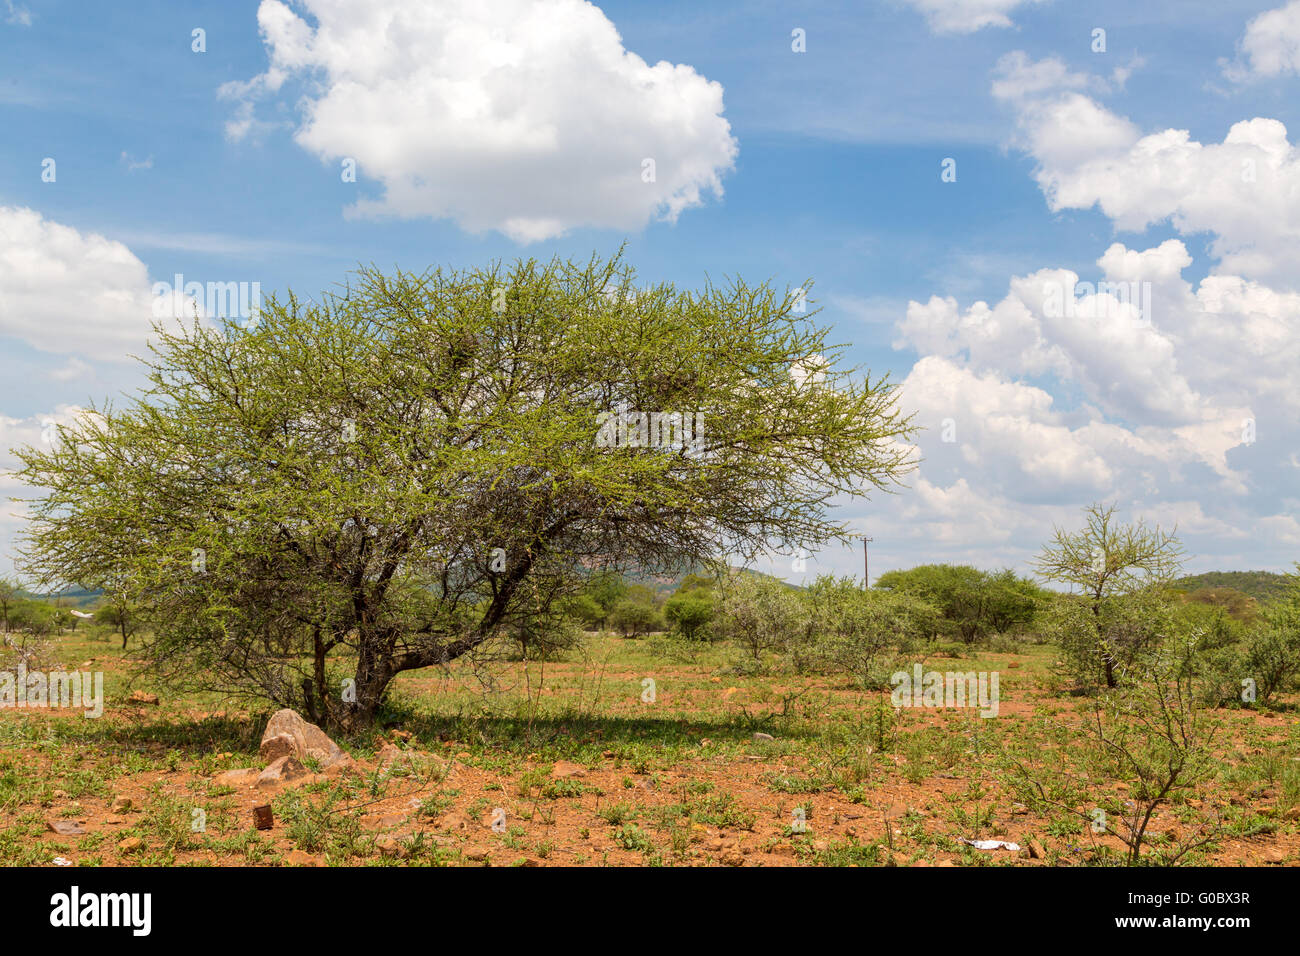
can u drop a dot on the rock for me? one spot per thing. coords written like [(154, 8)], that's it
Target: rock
[(564, 770), (762, 738), (244, 777), (273, 748), (140, 697), (475, 854), (1273, 854), (342, 767), (732, 857), (392, 847), (65, 827), (309, 740), (1036, 850), (130, 845), (945, 863), (453, 821), (282, 770), (299, 858), (121, 804)]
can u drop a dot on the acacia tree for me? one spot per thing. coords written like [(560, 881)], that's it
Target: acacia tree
[(1112, 564), (397, 474), (117, 611)]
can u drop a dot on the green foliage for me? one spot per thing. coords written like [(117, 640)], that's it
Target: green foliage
[(1264, 657), (1103, 642), (633, 617), (861, 633), (604, 589), (690, 613), (402, 472), (1122, 572), (759, 613), (971, 603), (584, 609)]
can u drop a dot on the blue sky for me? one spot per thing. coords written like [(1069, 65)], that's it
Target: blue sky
[(834, 175)]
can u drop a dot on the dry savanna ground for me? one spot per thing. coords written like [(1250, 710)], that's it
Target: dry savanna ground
[(566, 764)]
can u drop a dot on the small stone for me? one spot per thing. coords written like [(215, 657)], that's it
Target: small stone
[(130, 845), (1273, 854), (299, 858), (392, 847), (65, 827), (475, 854), (121, 804), (453, 821), (564, 770), (763, 738), (140, 697), (1036, 850)]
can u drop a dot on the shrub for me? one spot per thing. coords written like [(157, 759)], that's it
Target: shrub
[(759, 613), (1117, 568), (690, 613), (633, 618)]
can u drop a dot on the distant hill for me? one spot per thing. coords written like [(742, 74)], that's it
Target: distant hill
[(1263, 586), (664, 585), (79, 598)]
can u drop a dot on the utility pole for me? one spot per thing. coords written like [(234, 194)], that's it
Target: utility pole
[(866, 568)]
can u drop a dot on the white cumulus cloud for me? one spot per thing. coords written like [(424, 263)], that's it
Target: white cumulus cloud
[(1270, 46), (525, 117), (1245, 191)]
